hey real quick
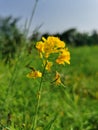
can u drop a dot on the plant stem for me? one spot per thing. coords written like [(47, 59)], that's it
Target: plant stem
[(39, 97)]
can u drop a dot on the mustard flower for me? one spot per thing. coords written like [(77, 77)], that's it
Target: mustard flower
[(50, 45), (53, 45), (64, 57), (34, 74), (40, 47), (57, 79), (48, 65)]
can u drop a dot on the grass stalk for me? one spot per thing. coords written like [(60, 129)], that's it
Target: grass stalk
[(32, 15)]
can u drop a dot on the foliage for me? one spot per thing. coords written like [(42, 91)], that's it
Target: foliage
[(10, 37), (73, 107)]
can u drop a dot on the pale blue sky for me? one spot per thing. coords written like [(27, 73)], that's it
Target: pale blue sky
[(56, 15)]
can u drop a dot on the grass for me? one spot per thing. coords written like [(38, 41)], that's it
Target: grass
[(72, 108)]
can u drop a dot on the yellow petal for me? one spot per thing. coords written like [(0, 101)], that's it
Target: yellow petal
[(57, 79), (34, 74)]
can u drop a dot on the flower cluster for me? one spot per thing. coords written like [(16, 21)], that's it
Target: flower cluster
[(53, 45), (46, 47)]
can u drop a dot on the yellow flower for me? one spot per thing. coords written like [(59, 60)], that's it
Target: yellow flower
[(53, 45), (57, 79), (34, 74), (43, 39), (48, 65), (40, 47), (50, 45), (63, 57)]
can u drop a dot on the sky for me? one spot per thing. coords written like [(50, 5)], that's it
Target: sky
[(54, 15)]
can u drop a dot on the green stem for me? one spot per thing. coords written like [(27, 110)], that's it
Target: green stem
[(39, 97)]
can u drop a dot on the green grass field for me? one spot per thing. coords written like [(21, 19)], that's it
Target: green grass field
[(74, 107)]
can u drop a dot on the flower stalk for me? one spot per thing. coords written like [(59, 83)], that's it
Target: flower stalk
[(47, 47), (38, 99)]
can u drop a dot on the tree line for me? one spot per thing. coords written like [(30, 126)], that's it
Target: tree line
[(12, 38), (76, 38)]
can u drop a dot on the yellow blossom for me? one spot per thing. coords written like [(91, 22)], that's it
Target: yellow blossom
[(40, 47), (48, 65), (50, 45), (64, 57), (57, 79), (53, 45), (43, 39), (34, 74)]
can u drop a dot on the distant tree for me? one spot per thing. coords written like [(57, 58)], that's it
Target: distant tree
[(94, 38), (81, 39), (75, 38), (69, 35), (46, 35), (10, 37)]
